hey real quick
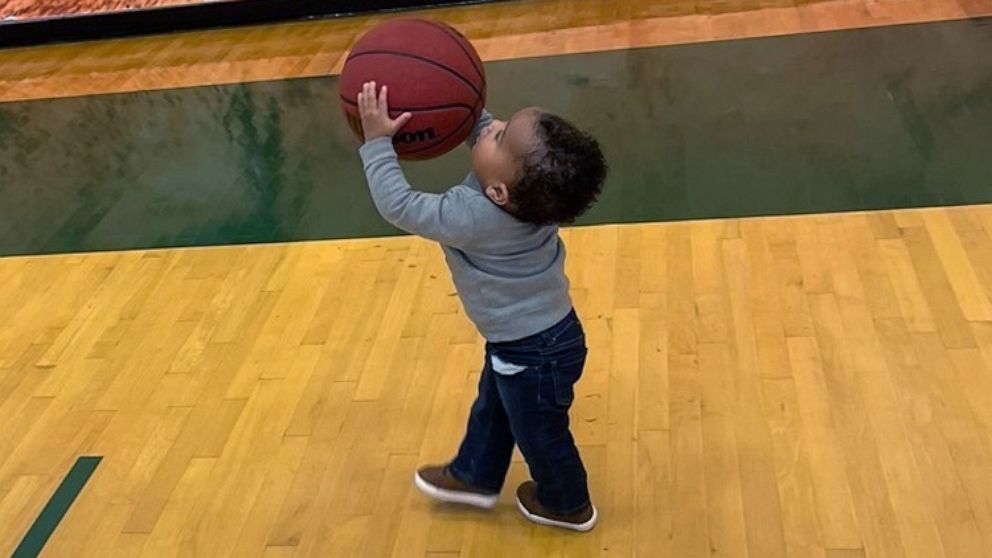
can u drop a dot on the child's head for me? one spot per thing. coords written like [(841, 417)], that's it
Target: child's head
[(538, 167)]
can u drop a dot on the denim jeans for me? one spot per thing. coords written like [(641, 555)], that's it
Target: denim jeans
[(529, 408)]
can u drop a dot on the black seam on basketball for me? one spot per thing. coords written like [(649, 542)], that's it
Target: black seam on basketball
[(418, 109), (443, 138), (458, 40), (458, 127), (422, 59)]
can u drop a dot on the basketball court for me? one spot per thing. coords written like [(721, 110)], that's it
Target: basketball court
[(211, 344)]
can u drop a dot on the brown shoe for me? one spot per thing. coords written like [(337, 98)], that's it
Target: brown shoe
[(438, 483), (582, 520)]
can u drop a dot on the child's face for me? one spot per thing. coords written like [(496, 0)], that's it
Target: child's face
[(500, 151)]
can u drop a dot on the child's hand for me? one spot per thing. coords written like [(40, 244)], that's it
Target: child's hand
[(375, 113)]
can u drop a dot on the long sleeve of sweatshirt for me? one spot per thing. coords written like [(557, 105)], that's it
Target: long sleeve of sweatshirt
[(449, 218)]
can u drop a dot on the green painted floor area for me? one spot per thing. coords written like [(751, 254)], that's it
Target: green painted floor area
[(881, 118)]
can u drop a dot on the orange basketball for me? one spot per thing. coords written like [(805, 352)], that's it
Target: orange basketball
[(432, 71)]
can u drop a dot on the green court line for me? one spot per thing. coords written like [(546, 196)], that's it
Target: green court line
[(57, 507)]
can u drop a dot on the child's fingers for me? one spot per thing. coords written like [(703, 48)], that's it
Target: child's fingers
[(401, 120), (363, 97), (369, 96), (384, 98)]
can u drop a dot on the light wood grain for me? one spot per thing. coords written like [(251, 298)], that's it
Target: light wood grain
[(239, 412)]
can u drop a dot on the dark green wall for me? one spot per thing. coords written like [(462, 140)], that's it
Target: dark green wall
[(881, 118)]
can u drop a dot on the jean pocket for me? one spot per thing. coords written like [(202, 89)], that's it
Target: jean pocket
[(565, 375), (504, 368)]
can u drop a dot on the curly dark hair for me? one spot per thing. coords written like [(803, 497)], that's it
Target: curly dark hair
[(563, 179)]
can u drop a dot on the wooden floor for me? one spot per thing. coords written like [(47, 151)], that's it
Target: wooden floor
[(806, 386), (815, 386)]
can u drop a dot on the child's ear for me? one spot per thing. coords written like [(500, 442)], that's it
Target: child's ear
[(498, 193)]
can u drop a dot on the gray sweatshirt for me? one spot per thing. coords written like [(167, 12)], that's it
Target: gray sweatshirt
[(510, 275)]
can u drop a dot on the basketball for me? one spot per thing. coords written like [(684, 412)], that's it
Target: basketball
[(432, 71)]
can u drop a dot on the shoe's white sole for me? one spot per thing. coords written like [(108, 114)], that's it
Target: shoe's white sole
[(582, 527), (453, 496)]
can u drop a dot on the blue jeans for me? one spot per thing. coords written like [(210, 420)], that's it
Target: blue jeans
[(529, 408)]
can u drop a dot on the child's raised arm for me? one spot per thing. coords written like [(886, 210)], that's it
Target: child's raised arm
[(446, 218)]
